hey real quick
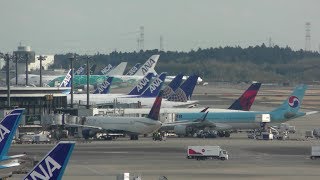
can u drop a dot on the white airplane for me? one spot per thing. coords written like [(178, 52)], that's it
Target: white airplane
[(132, 126)]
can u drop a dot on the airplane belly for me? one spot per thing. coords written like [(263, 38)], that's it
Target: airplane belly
[(243, 125)]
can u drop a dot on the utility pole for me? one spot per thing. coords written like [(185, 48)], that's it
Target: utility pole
[(7, 58), (27, 58), (88, 82), (16, 58), (41, 58), (72, 57)]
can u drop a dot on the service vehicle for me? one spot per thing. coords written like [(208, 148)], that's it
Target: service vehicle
[(315, 152), (206, 152)]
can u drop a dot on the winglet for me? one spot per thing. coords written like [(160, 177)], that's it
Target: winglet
[(245, 101), (8, 127), (142, 85), (52, 166), (205, 109), (104, 88), (155, 110), (172, 86)]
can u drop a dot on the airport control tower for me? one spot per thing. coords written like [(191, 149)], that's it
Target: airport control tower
[(23, 54)]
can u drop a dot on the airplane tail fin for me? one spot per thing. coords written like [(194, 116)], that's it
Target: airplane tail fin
[(67, 80), (155, 87), (245, 101), (92, 69), (8, 127), (52, 166), (118, 70), (155, 110), (290, 107), (148, 66), (104, 88), (133, 70), (172, 86), (185, 91), (80, 71), (142, 85), (106, 69)]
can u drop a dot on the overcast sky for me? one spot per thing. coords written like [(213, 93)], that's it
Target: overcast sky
[(89, 26)]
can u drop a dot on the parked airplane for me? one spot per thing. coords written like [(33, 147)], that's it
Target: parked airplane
[(8, 127), (172, 86), (53, 165), (224, 121), (119, 80), (132, 126)]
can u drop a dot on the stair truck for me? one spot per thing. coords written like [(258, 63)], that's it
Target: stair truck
[(206, 152)]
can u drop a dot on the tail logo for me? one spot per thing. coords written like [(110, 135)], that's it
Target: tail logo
[(293, 101), (142, 83), (155, 84), (66, 80), (3, 132), (146, 66), (50, 164), (106, 69), (132, 71), (103, 86)]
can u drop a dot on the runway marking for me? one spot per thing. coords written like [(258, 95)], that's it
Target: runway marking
[(115, 152)]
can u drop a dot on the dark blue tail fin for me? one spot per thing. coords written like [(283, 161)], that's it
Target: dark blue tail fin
[(134, 69), (245, 101), (52, 166), (80, 71), (155, 110), (172, 86), (184, 92), (106, 69), (104, 88), (155, 87), (8, 127), (142, 85)]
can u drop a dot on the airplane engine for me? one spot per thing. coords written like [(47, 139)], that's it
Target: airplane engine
[(88, 133), (180, 130)]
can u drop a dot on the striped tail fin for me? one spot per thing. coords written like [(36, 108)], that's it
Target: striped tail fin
[(52, 166), (245, 101), (155, 110), (142, 85), (133, 70), (104, 88), (172, 86)]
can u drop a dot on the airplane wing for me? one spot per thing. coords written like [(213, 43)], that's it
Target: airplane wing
[(311, 112), (13, 163)]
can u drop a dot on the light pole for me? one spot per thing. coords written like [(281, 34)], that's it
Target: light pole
[(7, 58), (16, 58), (72, 57), (88, 82), (27, 58), (41, 58)]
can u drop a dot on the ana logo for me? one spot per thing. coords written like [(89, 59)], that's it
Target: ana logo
[(80, 70), (103, 86), (50, 165), (293, 101), (106, 69), (155, 84), (3, 132), (142, 83), (132, 70), (66, 80), (146, 66)]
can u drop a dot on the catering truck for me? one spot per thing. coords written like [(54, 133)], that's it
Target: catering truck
[(315, 152), (206, 152)]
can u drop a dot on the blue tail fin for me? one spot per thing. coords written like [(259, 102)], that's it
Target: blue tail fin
[(245, 101), (184, 92), (172, 86), (134, 69), (106, 69), (290, 107), (67, 80), (92, 69), (8, 127), (142, 85), (80, 71), (155, 110), (104, 88), (155, 87), (52, 166)]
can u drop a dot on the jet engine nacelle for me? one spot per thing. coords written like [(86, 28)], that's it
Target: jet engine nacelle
[(180, 130), (88, 133)]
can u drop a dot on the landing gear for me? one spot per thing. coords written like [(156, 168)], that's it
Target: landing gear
[(134, 137), (223, 133)]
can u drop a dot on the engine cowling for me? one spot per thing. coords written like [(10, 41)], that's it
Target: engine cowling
[(180, 130), (88, 133)]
